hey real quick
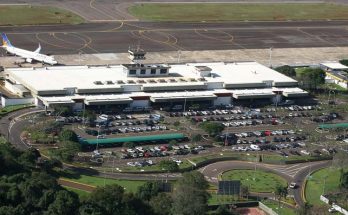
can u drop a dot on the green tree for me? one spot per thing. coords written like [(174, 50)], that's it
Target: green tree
[(212, 128), (191, 196), (280, 192), (286, 70), (128, 145), (112, 199), (344, 179), (148, 190), (63, 111), (176, 123), (66, 151), (109, 199), (197, 138), (169, 165), (68, 135), (344, 62), (161, 204), (65, 202), (304, 210), (88, 208), (245, 192), (312, 77)]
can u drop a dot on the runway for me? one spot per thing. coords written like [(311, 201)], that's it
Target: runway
[(116, 37)]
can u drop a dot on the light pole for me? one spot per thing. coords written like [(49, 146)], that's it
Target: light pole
[(80, 53), (179, 55), (83, 115), (98, 138), (270, 57), (185, 100)]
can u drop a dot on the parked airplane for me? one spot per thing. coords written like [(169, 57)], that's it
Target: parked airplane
[(29, 56)]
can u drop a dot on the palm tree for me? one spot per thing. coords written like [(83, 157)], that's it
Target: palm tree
[(280, 192)]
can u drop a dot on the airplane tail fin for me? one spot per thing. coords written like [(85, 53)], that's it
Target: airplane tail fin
[(38, 49), (5, 40)]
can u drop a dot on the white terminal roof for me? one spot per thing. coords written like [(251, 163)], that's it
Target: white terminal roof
[(83, 77), (334, 65)]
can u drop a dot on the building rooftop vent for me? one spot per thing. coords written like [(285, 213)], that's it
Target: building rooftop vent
[(98, 83), (109, 82), (120, 82)]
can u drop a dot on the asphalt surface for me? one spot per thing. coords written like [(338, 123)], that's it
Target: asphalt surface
[(11, 128), (13, 125), (291, 173), (116, 37)]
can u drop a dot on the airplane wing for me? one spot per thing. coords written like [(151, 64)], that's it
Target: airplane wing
[(38, 49)]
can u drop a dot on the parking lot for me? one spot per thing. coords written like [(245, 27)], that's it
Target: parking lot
[(285, 131)]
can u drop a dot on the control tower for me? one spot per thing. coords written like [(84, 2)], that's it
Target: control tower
[(136, 54)]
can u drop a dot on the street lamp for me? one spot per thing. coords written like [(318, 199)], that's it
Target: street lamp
[(185, 100), (270, 56), (179, 55)]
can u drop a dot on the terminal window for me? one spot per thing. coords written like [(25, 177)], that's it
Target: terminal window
[(132, 72), (153, 71), (143, 71), (163, 71)]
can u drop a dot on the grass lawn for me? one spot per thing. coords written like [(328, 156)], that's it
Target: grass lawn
[(259, 181), (33, 15), (315, 185), (130, 186), (81, 193), (333, 86), (238, 11), (283, 210), (9, 109)]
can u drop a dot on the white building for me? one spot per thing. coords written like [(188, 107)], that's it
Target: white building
[(336, 73), (138, 85)]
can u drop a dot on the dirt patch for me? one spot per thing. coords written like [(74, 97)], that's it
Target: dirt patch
[(76, 185)]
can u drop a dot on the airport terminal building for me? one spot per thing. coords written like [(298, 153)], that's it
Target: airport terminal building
[(140, 86)]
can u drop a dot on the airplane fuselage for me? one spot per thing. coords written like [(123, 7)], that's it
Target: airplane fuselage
[(29, 56)]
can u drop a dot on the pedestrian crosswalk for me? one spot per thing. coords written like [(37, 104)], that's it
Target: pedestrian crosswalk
[(290, 169)]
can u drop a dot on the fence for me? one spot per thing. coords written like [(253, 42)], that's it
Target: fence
[(267, 209), (336, 207)]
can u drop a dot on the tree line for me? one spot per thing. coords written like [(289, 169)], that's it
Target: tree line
[(28, 185)]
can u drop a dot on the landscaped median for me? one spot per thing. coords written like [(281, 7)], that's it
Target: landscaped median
[(258, 181), (8, 109)]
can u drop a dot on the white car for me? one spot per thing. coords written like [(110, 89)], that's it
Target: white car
[(176, 147), (198, 148), (187, 147), (255, 147), (139, 148), (131, 164), (292, 185), (177, 161), (301, 144), (100, 137), (131, 150), (332, 210), (305, 152)]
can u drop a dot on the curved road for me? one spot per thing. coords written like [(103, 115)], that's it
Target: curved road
[(13, 125), (291, 173)]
